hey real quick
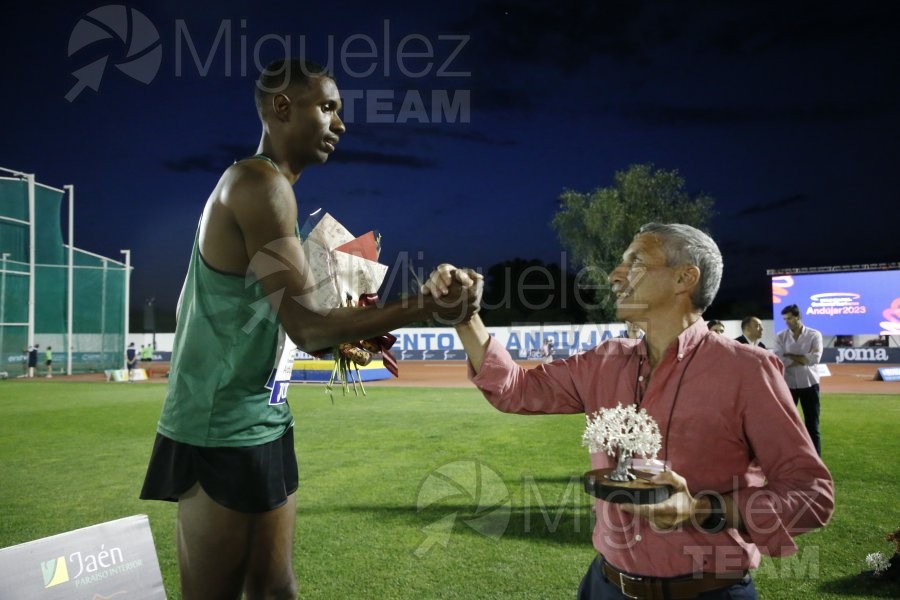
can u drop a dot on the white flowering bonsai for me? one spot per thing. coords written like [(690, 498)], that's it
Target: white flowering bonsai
[(886, 568), (622, 432)]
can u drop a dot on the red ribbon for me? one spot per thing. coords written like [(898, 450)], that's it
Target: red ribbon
[(383, 341)]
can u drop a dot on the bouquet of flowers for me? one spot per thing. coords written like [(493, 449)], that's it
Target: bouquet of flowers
[(346, 272)]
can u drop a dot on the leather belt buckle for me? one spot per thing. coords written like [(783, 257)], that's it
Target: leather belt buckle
[(624, 580)]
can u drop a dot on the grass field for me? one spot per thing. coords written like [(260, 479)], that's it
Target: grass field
[(418, 493)]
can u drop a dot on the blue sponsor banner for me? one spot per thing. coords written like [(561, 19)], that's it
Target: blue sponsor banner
[(419, 340), (865, 354), (429, 354), (855, 303), (319, 375), (61, 358), (523, 342)]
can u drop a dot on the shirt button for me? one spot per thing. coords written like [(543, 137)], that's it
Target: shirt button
[(640, 378), (680, 356), (637, 538)]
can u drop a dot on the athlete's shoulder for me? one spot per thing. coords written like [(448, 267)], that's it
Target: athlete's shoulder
[(253, 187)]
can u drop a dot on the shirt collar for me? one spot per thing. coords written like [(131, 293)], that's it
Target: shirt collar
[(686, 342), (690, 338)]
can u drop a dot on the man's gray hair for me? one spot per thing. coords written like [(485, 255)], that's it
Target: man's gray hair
[(686, 245)]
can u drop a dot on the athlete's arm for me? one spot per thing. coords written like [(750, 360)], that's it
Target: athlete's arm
[(265, 211)]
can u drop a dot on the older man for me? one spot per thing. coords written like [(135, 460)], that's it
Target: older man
[(720, 406)]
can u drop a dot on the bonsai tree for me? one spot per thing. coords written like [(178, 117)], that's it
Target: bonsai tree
[(622, 432)]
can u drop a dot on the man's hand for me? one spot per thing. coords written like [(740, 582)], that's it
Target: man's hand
[(472, 332), (679, 507), (800, 359), (456, 292), (440, 280)]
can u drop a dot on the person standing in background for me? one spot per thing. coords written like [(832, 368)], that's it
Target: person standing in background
[(130, 359), (48, 361), (716, 326), (752, 329), (146, 357), (547, 350), (800, 349), (32, 359)]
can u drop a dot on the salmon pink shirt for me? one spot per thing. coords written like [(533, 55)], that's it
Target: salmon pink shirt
[(729, 406)]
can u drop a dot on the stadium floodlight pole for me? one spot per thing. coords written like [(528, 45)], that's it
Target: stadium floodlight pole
[(127, 254), (70, 295), (31, 256)]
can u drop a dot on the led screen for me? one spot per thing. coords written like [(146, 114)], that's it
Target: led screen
[(854, 303)]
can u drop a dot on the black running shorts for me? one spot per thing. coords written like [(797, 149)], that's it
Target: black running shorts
[(251, 479)]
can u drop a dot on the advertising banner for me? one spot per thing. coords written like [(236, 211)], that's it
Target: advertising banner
[(116, 559), (522, 342), (853, 303)]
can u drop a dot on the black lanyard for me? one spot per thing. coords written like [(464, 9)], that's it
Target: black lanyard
[(639, 395)]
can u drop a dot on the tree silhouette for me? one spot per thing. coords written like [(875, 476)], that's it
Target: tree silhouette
[(597, 227)]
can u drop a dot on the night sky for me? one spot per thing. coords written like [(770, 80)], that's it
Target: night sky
[(786, 113)]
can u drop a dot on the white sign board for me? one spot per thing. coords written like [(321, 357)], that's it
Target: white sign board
[(110, 560)]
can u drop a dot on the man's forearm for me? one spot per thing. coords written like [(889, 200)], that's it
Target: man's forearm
[(800, 359), (314, 331), (474, 337)]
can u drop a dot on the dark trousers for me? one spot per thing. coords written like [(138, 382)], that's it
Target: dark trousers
[(808, 399), (595, 586)]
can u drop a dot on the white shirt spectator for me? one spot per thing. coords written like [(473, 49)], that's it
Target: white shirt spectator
[(808, 344)]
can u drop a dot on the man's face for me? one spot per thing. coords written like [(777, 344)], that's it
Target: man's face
[(642, 282), (754, 329), (793, 322), (314, 126), (718, 328)]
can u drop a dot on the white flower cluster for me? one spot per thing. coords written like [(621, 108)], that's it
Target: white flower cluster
[(622, 428), (878, 562)]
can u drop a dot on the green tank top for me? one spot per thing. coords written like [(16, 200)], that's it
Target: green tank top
[(226, 343)]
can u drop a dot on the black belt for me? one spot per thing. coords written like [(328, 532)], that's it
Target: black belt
[(669, 588)]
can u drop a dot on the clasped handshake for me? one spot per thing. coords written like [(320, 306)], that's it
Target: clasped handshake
[(456, 293)]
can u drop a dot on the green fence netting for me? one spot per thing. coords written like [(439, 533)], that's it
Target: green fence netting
[(98, 285)]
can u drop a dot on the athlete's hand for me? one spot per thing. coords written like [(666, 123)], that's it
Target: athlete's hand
[(456, 293)]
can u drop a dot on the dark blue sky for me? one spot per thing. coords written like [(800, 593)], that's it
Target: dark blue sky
[(786, 113)]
